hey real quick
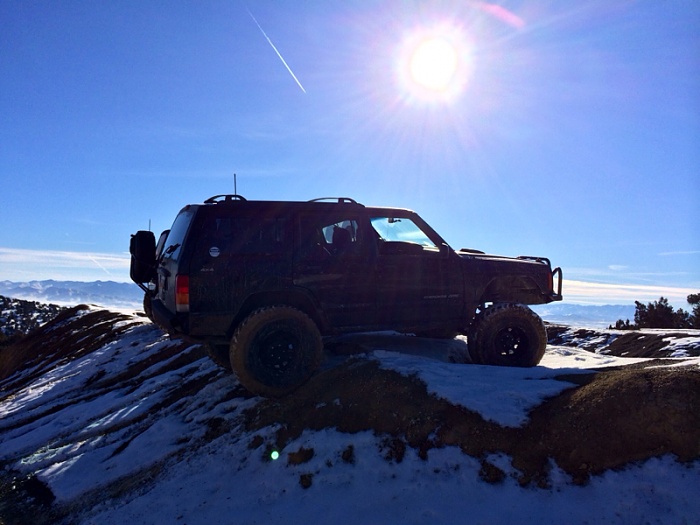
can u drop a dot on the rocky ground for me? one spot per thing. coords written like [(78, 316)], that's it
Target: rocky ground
[(85, 396), (18, 317)]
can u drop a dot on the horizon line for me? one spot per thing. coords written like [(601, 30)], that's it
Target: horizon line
[(21, 265)]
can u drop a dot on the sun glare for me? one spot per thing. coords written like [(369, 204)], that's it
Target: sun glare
[(434, 65)]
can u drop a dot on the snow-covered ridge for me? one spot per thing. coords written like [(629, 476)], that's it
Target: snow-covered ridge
[(646, 342), (18, 316), (106, 420)]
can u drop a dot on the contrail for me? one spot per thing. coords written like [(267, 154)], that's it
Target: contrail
[(276, 51), (98, 264)]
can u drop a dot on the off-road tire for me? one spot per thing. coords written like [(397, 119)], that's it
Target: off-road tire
[(275, 350), (219, 354), (507, 335)]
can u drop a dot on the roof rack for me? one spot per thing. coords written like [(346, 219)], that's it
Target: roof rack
[(339, 200), (224, 198)]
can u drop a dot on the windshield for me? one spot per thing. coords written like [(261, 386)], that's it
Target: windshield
[(400, 230)]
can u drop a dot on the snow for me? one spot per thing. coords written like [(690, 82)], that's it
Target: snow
[(127, 436), (472, 386), (680, 345), (502, 395), (226, 484)]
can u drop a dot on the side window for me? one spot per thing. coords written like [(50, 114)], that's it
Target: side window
[(341, 236), (225, 235), (268, 236), (323, 236), (217, 235)]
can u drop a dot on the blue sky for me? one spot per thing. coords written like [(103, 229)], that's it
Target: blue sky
[(566, 129)]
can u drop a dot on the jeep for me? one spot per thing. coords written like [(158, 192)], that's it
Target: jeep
[(261, 283)]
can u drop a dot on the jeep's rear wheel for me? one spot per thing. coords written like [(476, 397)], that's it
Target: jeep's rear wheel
[(507, 335), (275, 350)]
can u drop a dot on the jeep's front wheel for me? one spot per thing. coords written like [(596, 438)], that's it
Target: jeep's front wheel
[(507, 335), (275, 350)]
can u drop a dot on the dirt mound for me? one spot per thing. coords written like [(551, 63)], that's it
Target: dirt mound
[(617, 417), (620, 417)]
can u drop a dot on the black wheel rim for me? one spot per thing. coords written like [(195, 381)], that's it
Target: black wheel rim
[(276, 355), (511, 343)]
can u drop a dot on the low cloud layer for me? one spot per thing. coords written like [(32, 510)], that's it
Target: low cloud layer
[(28, 265), (605, 293)]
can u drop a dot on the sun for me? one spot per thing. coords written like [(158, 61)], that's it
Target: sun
[(435, 64)]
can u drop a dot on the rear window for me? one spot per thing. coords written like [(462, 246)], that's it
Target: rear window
[(173, 243)]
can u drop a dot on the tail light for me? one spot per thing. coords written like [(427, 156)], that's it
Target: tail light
[(182, 293)]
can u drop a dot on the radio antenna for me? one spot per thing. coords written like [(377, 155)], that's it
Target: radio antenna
[(235, 185)]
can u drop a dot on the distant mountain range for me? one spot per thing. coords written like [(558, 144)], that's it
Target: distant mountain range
[(594, 316), (70, 293), (110, 294)]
